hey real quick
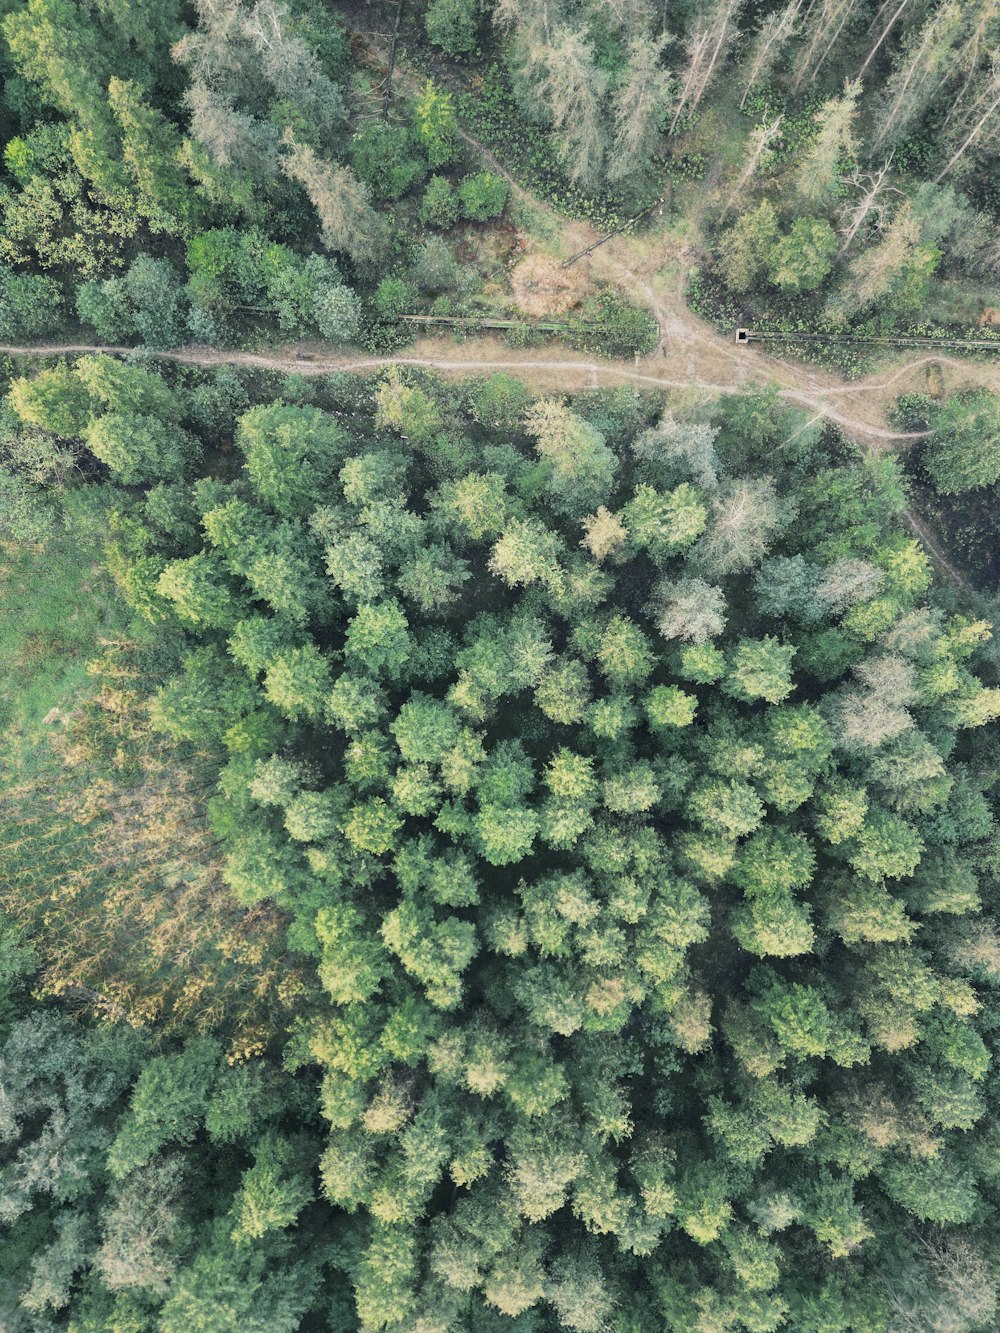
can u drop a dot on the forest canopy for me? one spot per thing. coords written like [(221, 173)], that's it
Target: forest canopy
[(629, 799), (474, 857)]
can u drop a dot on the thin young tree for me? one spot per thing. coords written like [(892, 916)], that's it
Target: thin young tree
[(982, 39)]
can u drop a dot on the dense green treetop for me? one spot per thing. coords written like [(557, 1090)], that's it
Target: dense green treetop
[(630, 798), (963, 452), (619, 781)]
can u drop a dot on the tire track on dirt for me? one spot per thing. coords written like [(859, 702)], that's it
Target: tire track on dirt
[(584, 373)]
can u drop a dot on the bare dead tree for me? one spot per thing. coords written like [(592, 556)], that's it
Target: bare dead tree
[(872, 187), (984, 30), (924, 66), (823, 28), (707, 44), (759, 142), (879, 15), (773, 35), (840, 22), (885, 33), (990, 99)]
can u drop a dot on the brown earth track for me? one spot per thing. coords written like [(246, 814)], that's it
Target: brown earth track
[(691, 349), (559, 372), (692, 356), (554, 371)]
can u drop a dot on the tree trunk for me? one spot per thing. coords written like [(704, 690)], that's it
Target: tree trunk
[(387, 99), (818, 28), (885, 33), (935, 39), (844, 15), (763, 138), (969, 139), (774, 32)]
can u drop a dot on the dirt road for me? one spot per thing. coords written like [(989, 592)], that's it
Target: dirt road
[(654, 269), (693, 359), (678, 367), (565, 372)]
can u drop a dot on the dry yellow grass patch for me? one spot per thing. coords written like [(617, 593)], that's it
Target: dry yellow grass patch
[(541, 285)]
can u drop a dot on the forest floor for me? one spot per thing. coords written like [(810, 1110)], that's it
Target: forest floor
[(57, 606)]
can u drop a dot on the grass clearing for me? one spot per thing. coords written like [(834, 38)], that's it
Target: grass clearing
[(56, 604), (106, 856)]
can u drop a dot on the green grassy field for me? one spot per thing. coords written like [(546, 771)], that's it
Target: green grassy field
[(104, 849), (56, 604)]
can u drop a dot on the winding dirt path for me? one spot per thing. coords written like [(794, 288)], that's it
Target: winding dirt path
[(654, 268), (553, 371), (565, 372), (693, 359), (693, 356)]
